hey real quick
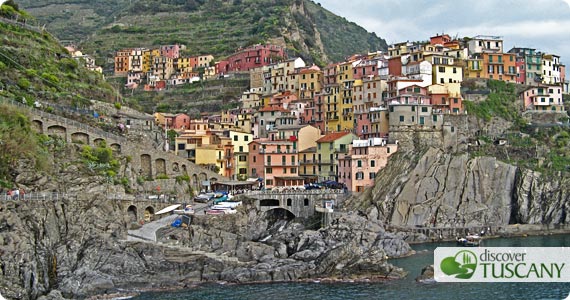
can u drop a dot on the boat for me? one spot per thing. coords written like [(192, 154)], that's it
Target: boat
[(187, 211), (471, 240)]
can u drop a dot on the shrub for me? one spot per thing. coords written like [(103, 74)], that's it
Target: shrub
[(23, 83), (118, 105)]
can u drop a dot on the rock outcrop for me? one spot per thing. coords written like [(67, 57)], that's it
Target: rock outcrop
[(438, 189)]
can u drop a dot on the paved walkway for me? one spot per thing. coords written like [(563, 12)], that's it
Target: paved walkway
[(148, 231)]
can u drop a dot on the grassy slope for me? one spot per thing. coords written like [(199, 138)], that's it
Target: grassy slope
[(33, 66)]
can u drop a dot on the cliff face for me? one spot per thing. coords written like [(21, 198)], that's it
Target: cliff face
[(438, 189)]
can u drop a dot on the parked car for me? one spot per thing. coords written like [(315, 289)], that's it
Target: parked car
[(204, 197)]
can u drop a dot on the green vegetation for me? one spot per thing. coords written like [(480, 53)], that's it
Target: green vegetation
[(544, 149), (182, 178), (17, 141), (34, 66), (215, 27), (501, 102), (100, 160), (192, 98), (11, 10)]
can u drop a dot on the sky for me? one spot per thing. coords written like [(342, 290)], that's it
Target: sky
[(540, 24)]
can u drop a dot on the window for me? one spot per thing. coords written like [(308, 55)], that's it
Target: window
[(434, 119), (242, 158), (254, 159), (441, 69), (359, 163), (401, 118), (246, 138), (424, 109), (454, 70), (242, 171), (306, 202), (269, 170), (253, 171), (289, 202), (372, 163), (269, 181), (293, 170), (455, 100), (359, 175), (372, 175), (235, 138), (240, 148)]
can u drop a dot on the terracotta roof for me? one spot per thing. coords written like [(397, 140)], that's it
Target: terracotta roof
[(332, 137)]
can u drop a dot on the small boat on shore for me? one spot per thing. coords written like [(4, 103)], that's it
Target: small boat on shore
[(471, 240)]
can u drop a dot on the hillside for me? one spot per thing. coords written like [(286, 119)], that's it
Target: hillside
[(216, 27), (34, 66)]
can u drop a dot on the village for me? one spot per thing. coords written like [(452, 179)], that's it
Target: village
[(301, 124)]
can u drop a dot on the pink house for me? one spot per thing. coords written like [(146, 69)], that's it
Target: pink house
[(181, 121), (543, 98), (276, 162), (171, 51), (252, 57), (358, 169)]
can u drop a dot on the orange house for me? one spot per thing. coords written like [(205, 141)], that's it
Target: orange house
[(276, 162)]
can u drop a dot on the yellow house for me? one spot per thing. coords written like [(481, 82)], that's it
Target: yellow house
[(147, 60), (307, 137), (210, 155), (331, 102), (182, 64), (445, 69), (309, 83), (243, 122), (240, 141)]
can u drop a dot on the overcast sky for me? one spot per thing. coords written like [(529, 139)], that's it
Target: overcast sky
[(540, 24)]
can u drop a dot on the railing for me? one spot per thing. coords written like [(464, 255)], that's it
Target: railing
[(298, 192), (56, 196)]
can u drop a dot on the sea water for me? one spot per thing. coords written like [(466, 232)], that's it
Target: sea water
[(406, 288)]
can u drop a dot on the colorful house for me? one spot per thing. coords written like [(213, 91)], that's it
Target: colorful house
[(329, 148), (358, 168), (240, 141), (543, 98), (276, 162)]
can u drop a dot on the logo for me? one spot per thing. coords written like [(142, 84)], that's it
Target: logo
[(462, 265), (502, 264)]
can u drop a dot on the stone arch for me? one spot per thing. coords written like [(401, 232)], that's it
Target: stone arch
[(149, 214), (195, 182), (160, 166), (280, 213), (80, 138), (269, 202), (184, 170), (56, 130), (175, 167), (132, 213), (116, 147), (202, 176), (98, 141), (38, 126), (213, 180), (146, 166)]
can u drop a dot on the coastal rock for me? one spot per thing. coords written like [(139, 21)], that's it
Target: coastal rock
[(447, 190), (427, 275)]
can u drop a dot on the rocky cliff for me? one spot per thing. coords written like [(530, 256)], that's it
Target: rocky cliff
[(77, 246), (432, 188)]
